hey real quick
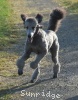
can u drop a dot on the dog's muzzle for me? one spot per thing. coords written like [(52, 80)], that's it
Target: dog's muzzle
[(30, 39)]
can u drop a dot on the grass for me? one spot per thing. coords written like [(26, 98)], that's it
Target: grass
[(8, 33), (70, 5), (7, 97), (8, 36), (5, 27), (7, 64)]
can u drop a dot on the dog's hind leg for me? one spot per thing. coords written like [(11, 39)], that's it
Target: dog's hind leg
[(55, 58), (35, 75)]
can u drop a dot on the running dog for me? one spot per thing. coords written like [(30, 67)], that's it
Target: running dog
[(40, 42)]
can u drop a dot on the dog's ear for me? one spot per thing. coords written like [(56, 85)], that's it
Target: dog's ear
[(39, 18), (23, 17)]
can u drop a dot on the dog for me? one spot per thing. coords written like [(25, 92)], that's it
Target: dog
[(41, 42)]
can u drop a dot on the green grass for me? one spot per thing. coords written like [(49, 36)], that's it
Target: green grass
[(7, 64), (7, 97), (10, 33), (7, 37), (70, 5), (4, 22)]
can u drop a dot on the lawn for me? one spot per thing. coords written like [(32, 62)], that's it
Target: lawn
[(5, 14), (70, 5), (7, 36)]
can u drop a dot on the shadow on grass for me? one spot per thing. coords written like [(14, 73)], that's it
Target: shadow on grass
[(21, 87)]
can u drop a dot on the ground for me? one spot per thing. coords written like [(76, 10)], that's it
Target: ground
[(65, 87)]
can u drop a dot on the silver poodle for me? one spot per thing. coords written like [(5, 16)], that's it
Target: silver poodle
[(41, 42)]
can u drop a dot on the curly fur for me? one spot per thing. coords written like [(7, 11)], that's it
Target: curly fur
[(55, 17), (41, 42)]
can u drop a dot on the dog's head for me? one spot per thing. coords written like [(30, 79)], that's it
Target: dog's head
[(32, 25)]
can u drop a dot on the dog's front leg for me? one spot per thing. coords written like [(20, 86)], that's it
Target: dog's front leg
[(21, 61), (35, 65)]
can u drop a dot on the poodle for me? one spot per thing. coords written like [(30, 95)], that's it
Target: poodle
[(41, 42)]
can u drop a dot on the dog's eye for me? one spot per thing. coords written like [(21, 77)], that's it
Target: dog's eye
[(33, 28)]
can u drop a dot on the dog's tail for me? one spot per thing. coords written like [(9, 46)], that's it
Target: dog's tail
[(55, 19)]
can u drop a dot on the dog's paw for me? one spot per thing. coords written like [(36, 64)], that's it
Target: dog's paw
[(34, 81), (31, 81), (33, 65)]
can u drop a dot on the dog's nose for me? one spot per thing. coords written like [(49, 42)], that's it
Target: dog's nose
[(29, 36)]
